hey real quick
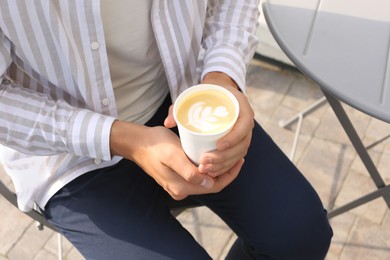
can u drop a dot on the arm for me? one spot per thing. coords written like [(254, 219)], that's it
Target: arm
[(34, 123), (230, 38)]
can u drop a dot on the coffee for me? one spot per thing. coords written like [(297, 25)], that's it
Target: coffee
[(207, 111), (204, 113)]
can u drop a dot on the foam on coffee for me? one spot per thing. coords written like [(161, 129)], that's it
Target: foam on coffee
[(206, 111)]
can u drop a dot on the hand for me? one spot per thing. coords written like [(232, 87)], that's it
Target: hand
[(158, 152), (232, 148)]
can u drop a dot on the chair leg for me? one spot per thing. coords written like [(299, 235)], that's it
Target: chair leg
[(39, 225), (59, 245), (299, 116)]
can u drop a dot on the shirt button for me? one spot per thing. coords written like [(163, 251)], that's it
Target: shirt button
[(97, 161), (106, 101), (95, 45)]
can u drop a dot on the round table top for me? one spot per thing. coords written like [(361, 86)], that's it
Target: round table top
[(344, 46)]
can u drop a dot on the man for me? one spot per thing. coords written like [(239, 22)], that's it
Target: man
[(85, 93)]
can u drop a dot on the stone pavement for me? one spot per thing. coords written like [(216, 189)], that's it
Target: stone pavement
[(324, 155)]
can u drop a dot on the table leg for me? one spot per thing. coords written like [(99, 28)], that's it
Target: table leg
[(364, 156)]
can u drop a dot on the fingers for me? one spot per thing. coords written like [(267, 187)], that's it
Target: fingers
[(180, 184), (219, 183), (193, 176), (225, 179), (189, 172), (234, 145), (217, 162), (169, 120), (239, 132), (186, 179)]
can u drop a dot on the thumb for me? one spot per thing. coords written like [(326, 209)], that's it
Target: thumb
[(169, 120)]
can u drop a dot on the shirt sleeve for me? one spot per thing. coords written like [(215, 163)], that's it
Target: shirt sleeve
[(34, 123), (230, 37)]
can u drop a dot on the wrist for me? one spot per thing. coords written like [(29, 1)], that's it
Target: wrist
[(219, 78), (124, 138)]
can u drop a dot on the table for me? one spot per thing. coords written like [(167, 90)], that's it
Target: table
[(344, 46)]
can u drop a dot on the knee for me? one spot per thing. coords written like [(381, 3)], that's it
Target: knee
[(305, 239), (308, 239)]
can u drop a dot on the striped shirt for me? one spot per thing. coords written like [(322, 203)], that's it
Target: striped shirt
[(56, 97)]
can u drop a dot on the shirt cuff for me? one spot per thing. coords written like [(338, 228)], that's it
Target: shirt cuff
[(227, 60), (89, 134)]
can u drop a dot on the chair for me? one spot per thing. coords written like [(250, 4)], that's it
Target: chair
[(299, 118)]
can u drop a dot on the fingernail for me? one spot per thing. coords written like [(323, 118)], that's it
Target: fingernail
[(207, 160), (208, 168), (207, 183), (213, 174)]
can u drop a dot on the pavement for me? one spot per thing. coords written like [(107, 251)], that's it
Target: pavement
[(323, 154)]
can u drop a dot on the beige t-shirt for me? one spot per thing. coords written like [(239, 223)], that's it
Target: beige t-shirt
[(137, 73)]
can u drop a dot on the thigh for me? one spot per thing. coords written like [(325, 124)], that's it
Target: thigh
[(271, 206), (118, 213)]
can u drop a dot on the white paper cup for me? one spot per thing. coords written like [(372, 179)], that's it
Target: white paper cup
[(200, 133)]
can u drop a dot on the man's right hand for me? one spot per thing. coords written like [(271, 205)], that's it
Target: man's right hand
[(157, 150)]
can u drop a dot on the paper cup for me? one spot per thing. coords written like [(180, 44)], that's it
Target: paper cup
[(204, 113)]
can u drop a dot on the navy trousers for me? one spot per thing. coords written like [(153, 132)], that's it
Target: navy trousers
[(120, 212)]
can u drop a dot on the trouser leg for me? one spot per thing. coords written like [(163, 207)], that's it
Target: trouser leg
[(118, 213), (271, 207)]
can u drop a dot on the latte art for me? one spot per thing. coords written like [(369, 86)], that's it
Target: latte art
[(206, 118), (207, 111)]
